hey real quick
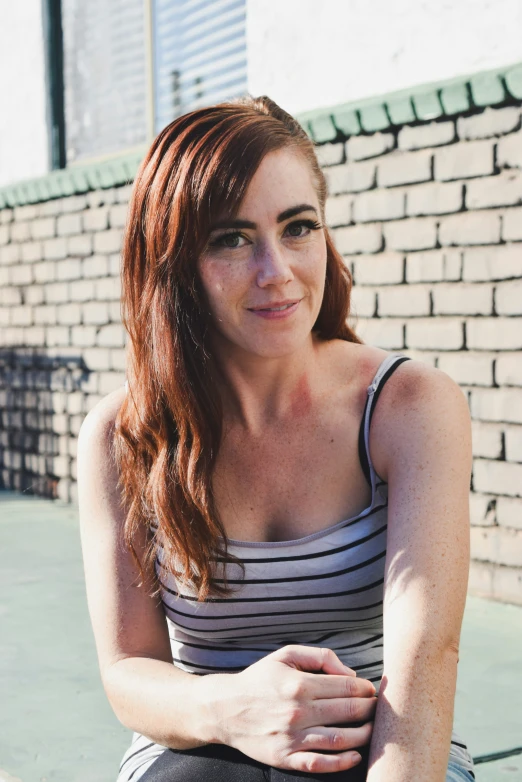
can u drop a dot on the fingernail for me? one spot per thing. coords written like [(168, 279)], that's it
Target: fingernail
[(356, 757)]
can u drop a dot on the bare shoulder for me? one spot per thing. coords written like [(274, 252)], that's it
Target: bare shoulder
[(98, 424), (418, 406)]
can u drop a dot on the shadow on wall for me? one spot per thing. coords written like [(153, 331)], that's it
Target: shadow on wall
[(39, 396)]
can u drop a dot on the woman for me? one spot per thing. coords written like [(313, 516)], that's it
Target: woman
[(237, 500)]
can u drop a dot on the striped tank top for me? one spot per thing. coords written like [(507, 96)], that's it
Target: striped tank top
[(324, 589)]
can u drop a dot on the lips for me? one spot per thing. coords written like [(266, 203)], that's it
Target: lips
[(275, 306)]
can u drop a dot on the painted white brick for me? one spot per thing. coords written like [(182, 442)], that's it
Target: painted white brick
[(513, 435), (482, 509), (497, 404), (55, 249), (31, 251), (385, 204), (45, 228), (433, 134), (463, 299), (509, 512), (75, 203), (470, 228), (362, 301), (123, 194), (465, 159), (118, 215), (111, 381), (509, 151), (10, 296), (487, 440), (45, 271), (404, 301), (10, 254), (34, 336), (69, 224), (82, 290), (69, 269), (364, 147), (118, 359), (509, 369), (95, 313), (494, 333), (338, 211), (508, 298), (350, 177), (21, 275), (497, 544), (21, 316), (435, 334), (50, 208), (83, 336), (34, 295), (490, 122), (492, 263), (20, 232), (504, 189), (434, 265), (434, 198), (468, 368), (365, 238), (512, 225), (330, 154), (69, 314), (97, 359), (96, 219), (6, 216), (384, 269), (381, 332), (57, 336), (79, 245), (416, 233), (107, 241), (402, 168), (57, 292), (45, 315), (112, 336), (96, 266)]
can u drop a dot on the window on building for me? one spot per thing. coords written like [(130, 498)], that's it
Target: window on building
[(105, 70), (199, 55), (187, 53)]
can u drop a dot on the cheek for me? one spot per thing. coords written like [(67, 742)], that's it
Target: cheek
[(222, 281)]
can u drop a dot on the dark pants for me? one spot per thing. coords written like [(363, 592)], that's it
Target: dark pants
[(220, 763)]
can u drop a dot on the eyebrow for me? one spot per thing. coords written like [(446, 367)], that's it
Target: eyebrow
[(235, 223)]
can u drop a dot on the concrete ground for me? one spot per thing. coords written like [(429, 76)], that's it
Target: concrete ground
[(55, 722)]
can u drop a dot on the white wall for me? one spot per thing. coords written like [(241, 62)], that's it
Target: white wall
[(23, 127), (306, 54)]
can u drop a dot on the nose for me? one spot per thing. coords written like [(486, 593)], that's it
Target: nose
[(273, 267)]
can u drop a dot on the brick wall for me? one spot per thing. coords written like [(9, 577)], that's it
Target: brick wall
[(428, 219)]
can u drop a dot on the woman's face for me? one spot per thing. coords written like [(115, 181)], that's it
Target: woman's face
[(264, 270)]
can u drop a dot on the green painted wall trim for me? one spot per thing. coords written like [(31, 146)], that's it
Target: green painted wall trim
[(416, 104), (423, 103)]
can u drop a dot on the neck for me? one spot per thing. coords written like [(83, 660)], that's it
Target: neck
[(257, 391)]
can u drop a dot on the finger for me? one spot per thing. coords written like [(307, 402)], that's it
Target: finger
[(337, 739), (343, 711), (314, 763), (312, 658), (333, 686)]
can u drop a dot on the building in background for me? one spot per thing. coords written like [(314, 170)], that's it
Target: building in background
[(416, 110)]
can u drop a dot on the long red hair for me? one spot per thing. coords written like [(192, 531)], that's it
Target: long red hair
[(168, 429)]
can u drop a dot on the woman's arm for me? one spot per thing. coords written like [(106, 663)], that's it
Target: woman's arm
[(147, 692), (422, 435)]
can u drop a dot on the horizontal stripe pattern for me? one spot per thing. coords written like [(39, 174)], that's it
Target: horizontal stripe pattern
[(322, 589)]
